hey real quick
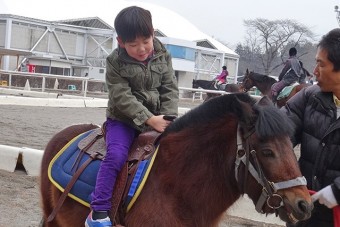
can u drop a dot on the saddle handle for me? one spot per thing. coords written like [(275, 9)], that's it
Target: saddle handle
[(169, 117)]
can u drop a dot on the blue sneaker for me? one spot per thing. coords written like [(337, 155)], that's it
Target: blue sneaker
[(106, 222)]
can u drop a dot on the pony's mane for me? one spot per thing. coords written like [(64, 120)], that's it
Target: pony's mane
[(211, 110), (271, 121), (260, 77), (267, 119)]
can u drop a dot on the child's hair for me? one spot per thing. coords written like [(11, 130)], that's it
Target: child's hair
[(133, 22)]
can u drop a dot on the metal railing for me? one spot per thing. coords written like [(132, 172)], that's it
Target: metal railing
[(7, 80)]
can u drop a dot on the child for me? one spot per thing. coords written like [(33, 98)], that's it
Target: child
[(142, 89), (222, 78)]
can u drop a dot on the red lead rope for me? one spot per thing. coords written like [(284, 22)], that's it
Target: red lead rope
[(336, 212)]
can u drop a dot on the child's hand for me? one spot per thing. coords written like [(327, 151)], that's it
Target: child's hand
[(158, 123)]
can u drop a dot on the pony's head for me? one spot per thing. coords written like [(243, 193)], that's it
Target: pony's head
[(194, 84), (270, 174), (252, 79), (247, 82)]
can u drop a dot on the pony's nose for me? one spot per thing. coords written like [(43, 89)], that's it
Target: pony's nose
[(304, 209)]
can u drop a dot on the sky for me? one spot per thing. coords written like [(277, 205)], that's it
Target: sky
[(222, 19)]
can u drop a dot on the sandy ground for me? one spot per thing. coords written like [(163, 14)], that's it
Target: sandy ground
[(32, 127)]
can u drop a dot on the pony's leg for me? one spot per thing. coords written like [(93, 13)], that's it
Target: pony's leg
[(45, 190), (72, 213)]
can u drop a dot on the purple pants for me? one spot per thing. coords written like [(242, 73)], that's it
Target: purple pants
[(119, 138), (277, 88)]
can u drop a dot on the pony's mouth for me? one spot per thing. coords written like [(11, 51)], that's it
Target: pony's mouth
[(288, 215), (292, 218)]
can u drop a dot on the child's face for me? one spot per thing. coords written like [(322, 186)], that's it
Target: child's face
[(139, 49)]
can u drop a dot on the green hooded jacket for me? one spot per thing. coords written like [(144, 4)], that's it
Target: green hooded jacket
[(138, 91)]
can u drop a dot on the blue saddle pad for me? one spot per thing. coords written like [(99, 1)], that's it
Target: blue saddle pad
[(61, 170)]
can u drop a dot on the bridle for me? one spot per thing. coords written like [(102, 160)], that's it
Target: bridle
[(246, 79), (269, 189)]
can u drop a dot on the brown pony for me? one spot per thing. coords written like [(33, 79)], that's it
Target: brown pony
[(228, 146), (264, 84)]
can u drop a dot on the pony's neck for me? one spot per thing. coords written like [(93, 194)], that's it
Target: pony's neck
[(200, 168), (264, 87)]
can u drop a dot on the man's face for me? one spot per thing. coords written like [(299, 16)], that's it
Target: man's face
[(328, 79)]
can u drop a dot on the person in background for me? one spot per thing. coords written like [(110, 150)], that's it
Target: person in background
[(304, 74), (142, 89), (315, 113), (290, 74), (310, 80), (222, 78)]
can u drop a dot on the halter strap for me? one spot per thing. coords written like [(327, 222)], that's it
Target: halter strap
[(290, 183)]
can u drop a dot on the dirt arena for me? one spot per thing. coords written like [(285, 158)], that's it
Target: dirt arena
[(32, 127)]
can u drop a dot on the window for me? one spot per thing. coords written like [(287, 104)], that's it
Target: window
[(181, 52), (57, 71), (66, 71)]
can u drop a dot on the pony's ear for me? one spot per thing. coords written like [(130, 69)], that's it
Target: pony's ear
[(264, 101), (246, 115), (247, 71)]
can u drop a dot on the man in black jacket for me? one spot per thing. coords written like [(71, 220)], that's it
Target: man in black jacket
[(315, 112)]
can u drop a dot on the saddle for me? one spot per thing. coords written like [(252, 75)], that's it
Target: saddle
[(222, 86), (94, 146), (284, 93)]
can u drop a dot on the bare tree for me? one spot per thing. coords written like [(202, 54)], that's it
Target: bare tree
[(249, 58), (272, 37)]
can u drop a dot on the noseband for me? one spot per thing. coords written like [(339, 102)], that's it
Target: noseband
[(269, 189), (245, 82)]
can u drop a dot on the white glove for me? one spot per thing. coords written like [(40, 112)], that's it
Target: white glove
[(326, 197)]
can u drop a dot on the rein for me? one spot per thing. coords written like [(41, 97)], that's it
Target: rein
[(269, 189)]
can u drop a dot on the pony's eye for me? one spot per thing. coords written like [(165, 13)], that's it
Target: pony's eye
[(267, 153)]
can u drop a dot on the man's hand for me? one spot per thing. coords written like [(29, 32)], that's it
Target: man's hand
[(326, 197)]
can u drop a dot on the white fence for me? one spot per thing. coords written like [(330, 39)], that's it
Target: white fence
[(19, 80), (7, 79)]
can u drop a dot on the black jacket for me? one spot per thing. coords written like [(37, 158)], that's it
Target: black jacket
[(317, 129)]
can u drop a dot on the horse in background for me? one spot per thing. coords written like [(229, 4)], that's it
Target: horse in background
[(264, 83), (209, 85), (204, 84), (228, 146)]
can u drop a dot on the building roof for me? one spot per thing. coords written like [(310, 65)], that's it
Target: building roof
[(166, 21), (90, 22)]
